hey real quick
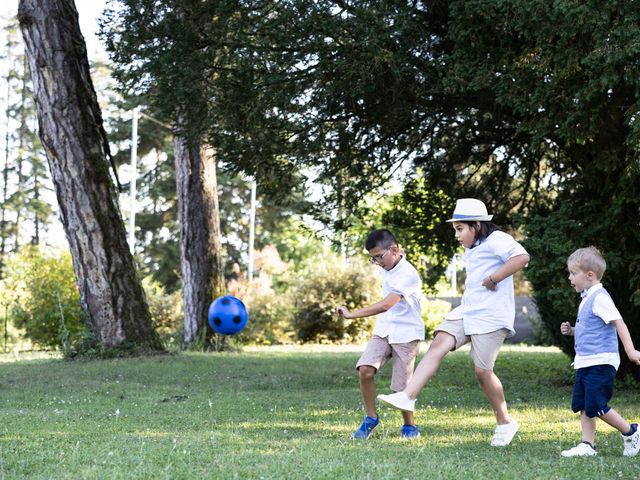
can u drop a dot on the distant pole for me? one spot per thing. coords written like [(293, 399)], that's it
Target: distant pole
[(252, 228), (134, 173), (454, 275)]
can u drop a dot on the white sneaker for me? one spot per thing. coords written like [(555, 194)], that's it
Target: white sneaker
[(399, 400), (504, 434), (583, 449), (631, 444)]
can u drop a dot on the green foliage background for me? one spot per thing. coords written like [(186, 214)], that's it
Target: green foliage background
[(288, 302), (46, 298), (531, 106), (327, 284)]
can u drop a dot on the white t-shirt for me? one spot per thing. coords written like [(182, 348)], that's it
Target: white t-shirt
[(481, 309), (604, 308), (402, 323)]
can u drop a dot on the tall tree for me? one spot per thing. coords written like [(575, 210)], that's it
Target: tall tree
[(195, 155), (548, 100), (201, 252), (11, 59), (24, 178), (73, 136), (529, 105)]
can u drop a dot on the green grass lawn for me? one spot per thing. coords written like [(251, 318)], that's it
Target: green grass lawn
[(269, 413)]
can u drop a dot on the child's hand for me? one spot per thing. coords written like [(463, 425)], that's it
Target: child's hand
[(565, 328), (635, 357), (343, 312), (489, 283)]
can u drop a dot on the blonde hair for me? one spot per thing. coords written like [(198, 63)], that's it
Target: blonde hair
[(589, 259)]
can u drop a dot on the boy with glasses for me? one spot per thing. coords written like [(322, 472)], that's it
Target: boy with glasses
[(397, 332)]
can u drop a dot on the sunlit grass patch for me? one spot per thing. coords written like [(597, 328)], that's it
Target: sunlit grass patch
[(278, 413)]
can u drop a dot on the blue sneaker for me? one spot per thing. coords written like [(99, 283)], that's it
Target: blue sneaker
[(410, 431), (366, 428)]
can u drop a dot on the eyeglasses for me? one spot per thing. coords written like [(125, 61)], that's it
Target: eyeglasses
[(378, 258)]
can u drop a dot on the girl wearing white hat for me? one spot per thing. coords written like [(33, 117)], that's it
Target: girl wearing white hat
[(485, 316)]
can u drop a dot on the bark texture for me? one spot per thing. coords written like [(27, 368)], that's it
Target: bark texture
[(198, 214), (73, 136)]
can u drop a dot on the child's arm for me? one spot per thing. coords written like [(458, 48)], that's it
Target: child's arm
[(379, 307), (627, 343), (567, 329), (509, 267)]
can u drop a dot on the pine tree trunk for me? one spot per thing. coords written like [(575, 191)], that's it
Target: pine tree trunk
[(199, 218), (73, 136), (35, 238), (22, 140), (4, 234)]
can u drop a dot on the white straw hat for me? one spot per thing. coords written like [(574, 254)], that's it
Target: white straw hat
[(470, 210)]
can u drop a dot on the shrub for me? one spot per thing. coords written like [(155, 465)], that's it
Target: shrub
[(433, 312), (327, 285), (47, 301), (270, 309), (553, 235), (270, 312), (13, 338), (167, 311)]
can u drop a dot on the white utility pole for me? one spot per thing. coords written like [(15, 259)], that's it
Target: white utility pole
[(134, 174), (454, 275)]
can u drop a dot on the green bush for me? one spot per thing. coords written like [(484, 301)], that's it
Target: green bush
[(47, 301), (13, 337), (433, 312), (550, 240), (267, 299), (270, 312), (553, 235), (327, 285), (167, 312), (540, 334)]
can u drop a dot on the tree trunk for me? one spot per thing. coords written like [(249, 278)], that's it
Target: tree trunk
[(73, 136), (22, 140), (4, 234), (200, 249)]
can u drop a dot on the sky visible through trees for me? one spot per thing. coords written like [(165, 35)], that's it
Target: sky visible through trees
[(88, 11)]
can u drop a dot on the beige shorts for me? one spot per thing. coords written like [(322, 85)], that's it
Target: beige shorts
[(484, 346), (403, 357)]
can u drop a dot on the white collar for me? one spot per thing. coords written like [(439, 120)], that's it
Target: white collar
[(397, 264), (591, 290)]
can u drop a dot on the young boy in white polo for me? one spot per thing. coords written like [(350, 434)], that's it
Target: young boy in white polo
[(397, 332), (598, 326)]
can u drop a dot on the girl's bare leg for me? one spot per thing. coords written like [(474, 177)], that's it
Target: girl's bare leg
[(442, 344)]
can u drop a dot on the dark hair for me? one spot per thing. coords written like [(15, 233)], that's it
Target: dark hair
[(380, 238), (486, 229)]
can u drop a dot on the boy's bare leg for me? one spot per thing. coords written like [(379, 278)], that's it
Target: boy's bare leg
[(408, 418), (368, 389), (614, 419), (588, 428), (492, 388), (442, 344)]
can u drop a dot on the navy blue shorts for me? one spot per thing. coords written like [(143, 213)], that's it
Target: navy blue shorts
[(593, 390)]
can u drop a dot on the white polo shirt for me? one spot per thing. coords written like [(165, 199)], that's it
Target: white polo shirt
[(402, 323), (481, 309)]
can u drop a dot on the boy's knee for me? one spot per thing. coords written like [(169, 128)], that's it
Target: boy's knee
[(483, 375), (366, 372), (443, 343), (594, 411)]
